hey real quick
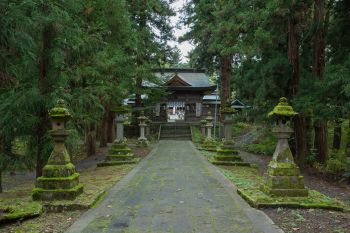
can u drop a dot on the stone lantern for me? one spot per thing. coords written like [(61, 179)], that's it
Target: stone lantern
[(227, 154), (60, 180), (209, 143), (148, 127), (142, 140), (209, 125), (119, 153), (283, 177)]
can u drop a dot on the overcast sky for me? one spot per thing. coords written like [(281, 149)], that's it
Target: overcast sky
[(184, 47)]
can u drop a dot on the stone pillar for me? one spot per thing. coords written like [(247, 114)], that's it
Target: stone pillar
[(228, 120), (60, 180), (119, 120), (283, 177), (209, 125), (148, 128), (203, 123), (142, 140), (119, 153)]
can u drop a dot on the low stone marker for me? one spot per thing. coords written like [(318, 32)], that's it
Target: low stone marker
[(142, 140), (119, 153), (283, 177), (60, 181)]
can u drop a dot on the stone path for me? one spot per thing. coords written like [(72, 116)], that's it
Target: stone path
[(174, 190)]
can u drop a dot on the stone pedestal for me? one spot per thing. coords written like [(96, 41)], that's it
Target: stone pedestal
[(119, 153), (283, 178), (60, 180), (148, 128)]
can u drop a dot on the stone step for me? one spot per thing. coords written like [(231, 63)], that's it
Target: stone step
[(175, 135)]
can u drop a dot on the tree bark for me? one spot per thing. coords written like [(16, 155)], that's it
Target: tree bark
[(293, 56), (226, 71), (111, 127), (44, 88), (347, 146), (321, 142), (1, 190), (300, 125), (90, 140), (318, 65), (301, 145), (104, 129), (318, 54), (337, 134)]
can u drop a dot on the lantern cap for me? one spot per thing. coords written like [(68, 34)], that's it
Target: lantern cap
[(142, 116), (283, 109), (60, 110)]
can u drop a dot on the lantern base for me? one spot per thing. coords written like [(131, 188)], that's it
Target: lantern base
[(142, 142), (228, 156), (57, 194), (284, 179), (59, 182), (118, 154), (209, 144)]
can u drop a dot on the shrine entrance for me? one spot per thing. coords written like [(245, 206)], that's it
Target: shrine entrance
[(175, 111)]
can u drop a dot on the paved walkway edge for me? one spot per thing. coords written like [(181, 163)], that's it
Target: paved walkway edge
[(89, 215), (258, 217)]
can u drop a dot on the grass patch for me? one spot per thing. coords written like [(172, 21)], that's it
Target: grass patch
[(248, 181), (18, 209)]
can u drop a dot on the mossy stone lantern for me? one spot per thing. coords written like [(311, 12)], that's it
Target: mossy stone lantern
[(227, 112), (209, 143), (283, 178), (119, 153), (59, 180), (142, 140), (209, 125), (227, 154)]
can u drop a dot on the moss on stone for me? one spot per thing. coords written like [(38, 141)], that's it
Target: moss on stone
[(19, 210), (283, 109), (57, 194), (248, 182), (59, 170)]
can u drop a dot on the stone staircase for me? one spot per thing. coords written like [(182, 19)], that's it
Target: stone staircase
[(175, 131)]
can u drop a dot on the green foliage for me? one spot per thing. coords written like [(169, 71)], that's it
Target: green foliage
[(265, 145), (196, 134)]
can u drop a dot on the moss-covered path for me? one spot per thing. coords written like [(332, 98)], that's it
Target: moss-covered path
[(174, 190)]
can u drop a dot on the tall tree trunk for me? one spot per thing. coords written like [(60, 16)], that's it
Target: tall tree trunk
[(318, 53), (104, 128), (226, 71), (44, 88), (300, 126), (347, 145), (321, 142), (111, 127), (1, 190), (337, 134), (90, 140), (301, 145), (318, 65)]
